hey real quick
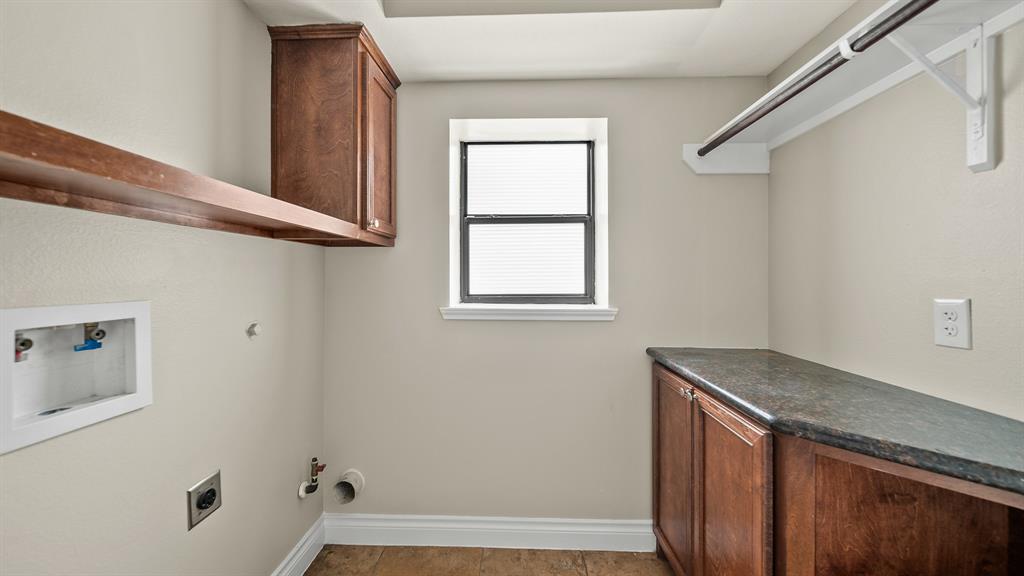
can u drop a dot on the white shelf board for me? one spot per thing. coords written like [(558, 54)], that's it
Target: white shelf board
[(730, 158), (940, 31)]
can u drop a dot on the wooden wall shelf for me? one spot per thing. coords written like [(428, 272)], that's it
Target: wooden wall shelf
[(40, 163)]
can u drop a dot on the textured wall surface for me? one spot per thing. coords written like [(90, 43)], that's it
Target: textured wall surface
[(168, 80), (186, 83), (547, 419), (875, 214)]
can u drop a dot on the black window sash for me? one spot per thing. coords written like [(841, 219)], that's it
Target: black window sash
[(587, 297)]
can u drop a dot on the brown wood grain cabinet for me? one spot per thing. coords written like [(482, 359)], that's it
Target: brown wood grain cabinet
[(381, 111), (732, 498), (839, 512), (732, 458), (674, 470), (333, 127), (712, 483)]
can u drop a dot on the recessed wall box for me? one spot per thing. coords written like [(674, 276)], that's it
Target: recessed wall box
[(66, 367)]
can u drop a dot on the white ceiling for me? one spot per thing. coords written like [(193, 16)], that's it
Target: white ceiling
[(399, 8), (739, 38)]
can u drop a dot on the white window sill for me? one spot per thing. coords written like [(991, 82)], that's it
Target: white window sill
[(559, 312)]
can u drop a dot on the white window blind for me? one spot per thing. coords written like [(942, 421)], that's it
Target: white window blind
[(526, 259), (527, 222), (527, 179)]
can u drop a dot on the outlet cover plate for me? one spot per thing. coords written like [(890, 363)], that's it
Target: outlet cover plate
[(952, 321), (196, 515)]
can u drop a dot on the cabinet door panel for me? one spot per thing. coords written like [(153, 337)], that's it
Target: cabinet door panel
[(674, 472), (733, 460), (872, 522), (381, 111)]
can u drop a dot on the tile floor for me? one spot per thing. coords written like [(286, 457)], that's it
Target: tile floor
[(426, 561)]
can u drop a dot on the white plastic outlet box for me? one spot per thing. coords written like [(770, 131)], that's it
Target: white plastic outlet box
[(66, 367)]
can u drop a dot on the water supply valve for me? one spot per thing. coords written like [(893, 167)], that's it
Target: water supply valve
[(21, 347), (93, 335)]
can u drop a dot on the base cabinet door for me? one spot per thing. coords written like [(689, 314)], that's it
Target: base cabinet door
[(673, 474), (732, 533)]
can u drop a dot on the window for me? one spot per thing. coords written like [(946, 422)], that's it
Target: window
[(527, 222), (528, 219)]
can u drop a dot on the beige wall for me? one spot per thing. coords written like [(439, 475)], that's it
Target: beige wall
[(875, 214), (547, 419), (170, 80), (183, 82)]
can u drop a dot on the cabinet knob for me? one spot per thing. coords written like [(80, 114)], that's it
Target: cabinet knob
[(375, 223)]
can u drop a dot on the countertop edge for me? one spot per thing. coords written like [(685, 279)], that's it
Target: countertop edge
[(1000, 477)]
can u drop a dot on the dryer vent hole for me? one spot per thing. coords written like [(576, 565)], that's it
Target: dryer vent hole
[(349, 486), (345, 492)]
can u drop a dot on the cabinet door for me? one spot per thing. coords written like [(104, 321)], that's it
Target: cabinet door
[(733, 492), (673, 469), (381, 110)]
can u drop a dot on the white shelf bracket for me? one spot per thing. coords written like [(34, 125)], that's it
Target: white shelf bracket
[(981, 84), (976, 95)]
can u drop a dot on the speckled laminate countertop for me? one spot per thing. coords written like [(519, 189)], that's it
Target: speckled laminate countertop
[(812, 401)]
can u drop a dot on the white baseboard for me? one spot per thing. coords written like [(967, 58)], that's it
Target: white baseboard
[(305, 551), (489, 532), (477, 531)]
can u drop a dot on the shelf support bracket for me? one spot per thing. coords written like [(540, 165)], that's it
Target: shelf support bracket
[(947, 82), (976, 95)]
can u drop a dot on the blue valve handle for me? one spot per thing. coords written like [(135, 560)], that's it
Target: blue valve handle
[(89, 344)]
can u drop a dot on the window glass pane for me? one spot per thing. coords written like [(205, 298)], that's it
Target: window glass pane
[(526, 259), (526, 178)]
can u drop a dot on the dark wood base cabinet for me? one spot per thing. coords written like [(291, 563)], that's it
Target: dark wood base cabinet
[(733, 499), (712, 486)]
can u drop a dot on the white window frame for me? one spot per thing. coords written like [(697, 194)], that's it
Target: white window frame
[(529, 129)]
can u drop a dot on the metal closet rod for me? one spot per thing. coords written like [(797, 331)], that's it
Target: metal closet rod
[(862, 43)]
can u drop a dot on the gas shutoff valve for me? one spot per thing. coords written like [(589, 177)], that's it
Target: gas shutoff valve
[(310, 486), (93, 335)]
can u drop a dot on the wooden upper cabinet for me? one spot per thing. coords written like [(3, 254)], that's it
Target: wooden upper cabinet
[(733, 466), (673, 476), (333, 132)]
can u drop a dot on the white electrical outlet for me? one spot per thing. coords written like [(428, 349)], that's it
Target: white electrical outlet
[(952, 318)]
